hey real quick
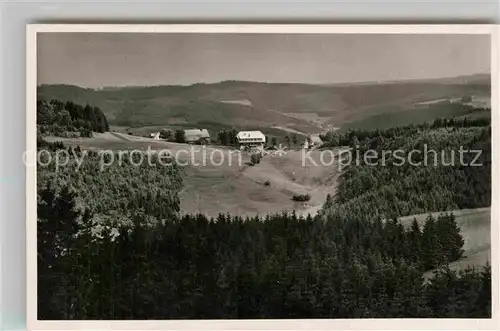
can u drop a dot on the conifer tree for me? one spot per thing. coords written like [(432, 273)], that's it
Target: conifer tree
[(432, 253), (449, 237)]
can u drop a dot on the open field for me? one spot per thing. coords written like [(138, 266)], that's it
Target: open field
[(233, 186), (475, 225)]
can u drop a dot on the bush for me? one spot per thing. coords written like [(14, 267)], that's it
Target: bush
[(53, 147), (255, 158), (71, 134), (301, 197), (466, 98), (179, 136), (86, 133), (267, 183)]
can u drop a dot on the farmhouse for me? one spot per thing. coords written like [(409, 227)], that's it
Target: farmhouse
[(196, 136), (155, 135), (313, 141), (251, 139)]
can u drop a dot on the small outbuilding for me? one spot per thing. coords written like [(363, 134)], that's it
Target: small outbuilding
[(197, 136)]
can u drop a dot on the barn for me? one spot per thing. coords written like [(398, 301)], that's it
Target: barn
[(196, 136)]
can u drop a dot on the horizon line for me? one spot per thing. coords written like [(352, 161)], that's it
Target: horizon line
[(332, 84)]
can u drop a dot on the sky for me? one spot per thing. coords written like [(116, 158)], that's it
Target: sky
[(130, 59)]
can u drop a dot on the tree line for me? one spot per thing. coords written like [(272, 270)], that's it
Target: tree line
[(59, 118), (354, 137)]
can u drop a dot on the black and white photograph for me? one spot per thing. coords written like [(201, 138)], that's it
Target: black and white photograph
[(247, 176)]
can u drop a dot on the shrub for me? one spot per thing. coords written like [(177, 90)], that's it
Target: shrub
[(179, 136), (301, 197), (267, 183), (466, 98), (86, 133), (255, 158)]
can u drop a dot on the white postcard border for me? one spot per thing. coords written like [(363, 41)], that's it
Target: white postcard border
[(299, 324)]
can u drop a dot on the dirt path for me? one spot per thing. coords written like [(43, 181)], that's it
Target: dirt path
[(289, 130), (120, 136), (320, 128)]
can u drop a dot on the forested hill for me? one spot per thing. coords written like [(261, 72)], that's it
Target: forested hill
[(59, 118), (296, 106), (397, 188)]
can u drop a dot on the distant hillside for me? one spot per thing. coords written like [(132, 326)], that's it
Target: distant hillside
[(465, 79), (416, 114), (302, 107)]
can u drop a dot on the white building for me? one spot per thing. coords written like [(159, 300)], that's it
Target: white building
[(251, 139), (155, 136)]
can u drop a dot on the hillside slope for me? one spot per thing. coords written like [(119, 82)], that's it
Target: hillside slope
[(416, 169), (232, 186), (306, 108)]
